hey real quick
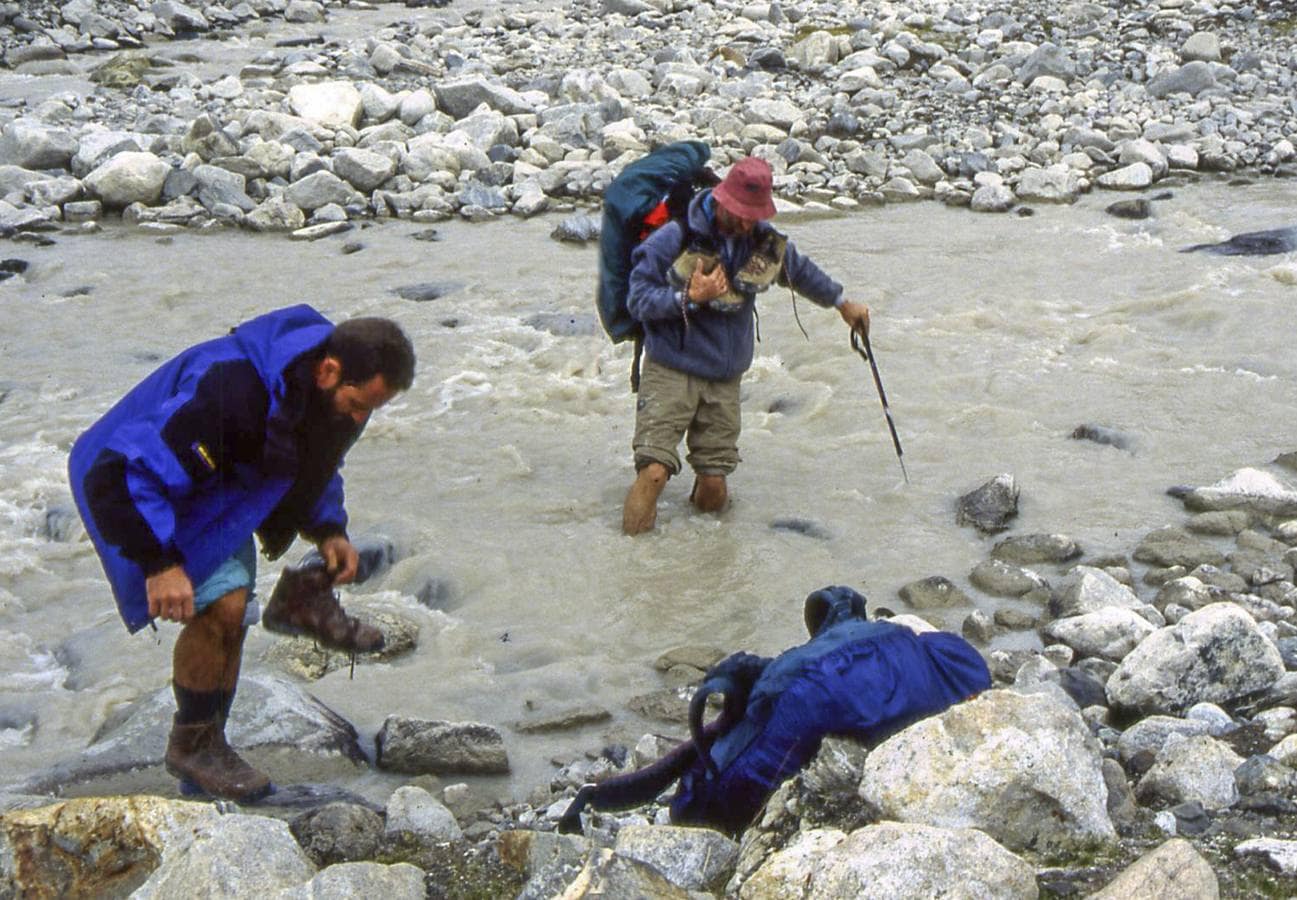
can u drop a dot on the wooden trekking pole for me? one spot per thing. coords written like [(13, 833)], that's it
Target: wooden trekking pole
[(867, 354)]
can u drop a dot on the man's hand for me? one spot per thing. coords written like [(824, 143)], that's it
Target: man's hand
[(705, 286), (341, 560), (171, 595), (856, 315)]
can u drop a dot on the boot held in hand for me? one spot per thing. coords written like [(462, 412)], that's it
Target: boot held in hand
[(303, 603)]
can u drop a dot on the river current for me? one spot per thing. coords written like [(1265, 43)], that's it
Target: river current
[(500, 474)]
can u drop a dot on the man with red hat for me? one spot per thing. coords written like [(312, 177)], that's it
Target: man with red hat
[(693, 288)]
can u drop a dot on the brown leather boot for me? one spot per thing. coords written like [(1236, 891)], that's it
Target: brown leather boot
[(198, 754), (303, 602)]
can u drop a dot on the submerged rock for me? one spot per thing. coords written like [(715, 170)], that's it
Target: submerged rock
[(269, 712), (425, 291), (564, 324), (990, 507), (1101, 434), (1252, 243)]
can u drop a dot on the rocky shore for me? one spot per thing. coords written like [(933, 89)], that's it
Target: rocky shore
[(1146, 748), (532, 106)]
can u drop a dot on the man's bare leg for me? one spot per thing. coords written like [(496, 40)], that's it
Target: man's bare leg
[(640, 512), (710, 493), (205, 671)]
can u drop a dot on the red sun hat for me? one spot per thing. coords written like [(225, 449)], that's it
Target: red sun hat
[(746, 189)]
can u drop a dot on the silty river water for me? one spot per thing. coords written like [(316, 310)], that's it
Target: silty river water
[(500, 475)]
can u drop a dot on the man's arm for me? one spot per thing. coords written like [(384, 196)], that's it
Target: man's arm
[(806, 278), (327, 529)]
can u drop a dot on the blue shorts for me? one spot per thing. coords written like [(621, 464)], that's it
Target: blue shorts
[(239, 571)]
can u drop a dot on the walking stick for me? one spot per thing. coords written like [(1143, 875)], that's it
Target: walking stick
[(867, 354)]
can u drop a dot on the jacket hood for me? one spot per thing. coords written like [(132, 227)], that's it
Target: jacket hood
[(271, 342), (831, 606)]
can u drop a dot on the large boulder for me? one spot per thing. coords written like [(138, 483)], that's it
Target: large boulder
[(320, 189), (231, 856), (1105, 633), (35, 145), (461, 96), (413, 811), (1087, 589), (328, 103), (894, 860), (365, 170), (97, 146), (1023, 768), (1191, 78), (1174, 871), (698, 859), (399, 881), (147, 847), (1192, 768), (1052, 184), (93, 846), (131, 177), (1217, 655)]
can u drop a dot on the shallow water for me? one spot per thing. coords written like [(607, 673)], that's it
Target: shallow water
[(500, 475)]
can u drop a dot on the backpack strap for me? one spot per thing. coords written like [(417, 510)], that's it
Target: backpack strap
[(634, 363)]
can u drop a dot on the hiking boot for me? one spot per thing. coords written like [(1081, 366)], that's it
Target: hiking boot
[(199, 756), (303, 603)]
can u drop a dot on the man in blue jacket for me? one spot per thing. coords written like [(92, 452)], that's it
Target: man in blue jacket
[(237, 436), (693, 288)]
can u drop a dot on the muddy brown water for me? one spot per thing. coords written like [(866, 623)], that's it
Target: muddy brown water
[(500, 475)]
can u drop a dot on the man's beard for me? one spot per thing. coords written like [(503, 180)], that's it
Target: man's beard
[(322, 414)]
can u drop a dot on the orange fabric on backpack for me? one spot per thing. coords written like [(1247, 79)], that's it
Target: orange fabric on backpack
[(657, 217)]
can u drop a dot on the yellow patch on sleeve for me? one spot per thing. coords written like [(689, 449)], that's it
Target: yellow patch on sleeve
[(205, 455)]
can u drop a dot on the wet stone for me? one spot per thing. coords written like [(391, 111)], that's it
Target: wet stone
[(563, 720), (989, 507), (1102, 434), (662, 706), (1130, 209), (1036, 548), (695, 657), (1015, 619), (425, 291), (420, 746), (578, 229), (805, 527), (933, 592)]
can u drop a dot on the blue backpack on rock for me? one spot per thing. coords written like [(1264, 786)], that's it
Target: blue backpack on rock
[(856, 678)]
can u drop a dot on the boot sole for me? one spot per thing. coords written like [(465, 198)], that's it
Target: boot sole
[(191, 789)]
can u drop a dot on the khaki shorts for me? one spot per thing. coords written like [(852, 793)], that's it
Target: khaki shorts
[(672, 405)]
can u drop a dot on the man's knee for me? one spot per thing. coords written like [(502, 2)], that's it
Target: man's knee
[(227, 613), (654, 472)]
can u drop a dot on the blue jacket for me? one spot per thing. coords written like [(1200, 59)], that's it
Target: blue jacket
[(214, 446), (711, 344)]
